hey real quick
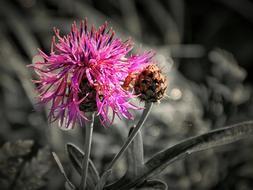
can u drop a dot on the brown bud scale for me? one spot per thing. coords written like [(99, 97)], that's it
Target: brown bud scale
[(150, 84)]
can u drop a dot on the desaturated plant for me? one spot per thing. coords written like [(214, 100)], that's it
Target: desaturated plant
[(90, 73)]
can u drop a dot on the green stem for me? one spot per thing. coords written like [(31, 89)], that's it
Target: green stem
[(143, 118), (85, 163)]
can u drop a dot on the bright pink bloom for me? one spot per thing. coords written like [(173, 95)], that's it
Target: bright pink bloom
[(84, 72)]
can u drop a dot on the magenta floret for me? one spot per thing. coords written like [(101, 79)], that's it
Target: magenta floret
[(84, 72)]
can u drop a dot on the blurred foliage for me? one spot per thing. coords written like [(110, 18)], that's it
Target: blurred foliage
[(209, 86), (19, 169)]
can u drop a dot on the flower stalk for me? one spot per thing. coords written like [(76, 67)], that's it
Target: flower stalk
[(143, 118), (87, 148)]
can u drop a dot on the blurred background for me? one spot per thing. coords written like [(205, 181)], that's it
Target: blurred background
[(204, 48)]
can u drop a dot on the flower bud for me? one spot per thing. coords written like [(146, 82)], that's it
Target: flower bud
[(150, 84)]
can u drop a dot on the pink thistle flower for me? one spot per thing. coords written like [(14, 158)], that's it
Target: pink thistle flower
[(84, 73)]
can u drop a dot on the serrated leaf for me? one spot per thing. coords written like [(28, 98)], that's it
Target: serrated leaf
[(153, 185), (76, 156), (33, 173), (202, 142), (135, 156), (103, 180)]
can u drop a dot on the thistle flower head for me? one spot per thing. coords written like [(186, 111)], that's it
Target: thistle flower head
[(84, 72)]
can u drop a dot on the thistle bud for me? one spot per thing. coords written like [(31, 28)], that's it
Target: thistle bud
[(150, 84)]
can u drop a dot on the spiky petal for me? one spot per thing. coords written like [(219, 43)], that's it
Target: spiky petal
[(84, 72)]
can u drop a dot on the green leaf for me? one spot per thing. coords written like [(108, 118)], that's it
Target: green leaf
[(103, 180), (153, 185), (160, 161), (76, 156), (135, 159), (68, 184), (202, 142)]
